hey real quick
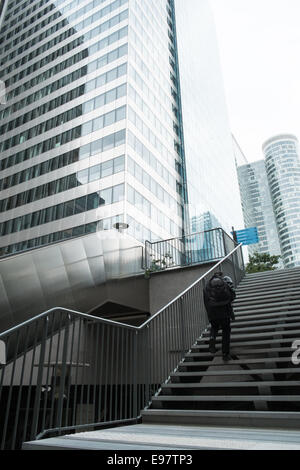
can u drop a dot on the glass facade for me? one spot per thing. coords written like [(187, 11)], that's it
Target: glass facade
[(97, 92), (210, 167), (258, 208), (283, 173), (89, 133)]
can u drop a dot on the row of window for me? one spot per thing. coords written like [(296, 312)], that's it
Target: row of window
[(69, 96), (150, 29), (89, 35), (146, 110), (18, 20), (73, 113), (99, 45), (139, 231), (149, 94), (65, 209), (148, 209), (65, 159), (166, 155), (21, 7), (46, 21), (157, 85), (144, 178), (66, 80), (158, 51), (67, 21), (50, 72), (92, 227), (151, 160), (65, 137), (65, 183)]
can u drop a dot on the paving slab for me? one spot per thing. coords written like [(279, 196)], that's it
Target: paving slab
[(160, 436)]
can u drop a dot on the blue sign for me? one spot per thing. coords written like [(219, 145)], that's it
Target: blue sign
[(248, 236)]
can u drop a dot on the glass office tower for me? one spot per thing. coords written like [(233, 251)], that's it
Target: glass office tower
[(97, 92), (90, 131), (257, 207), (210, 167), (283, 172)]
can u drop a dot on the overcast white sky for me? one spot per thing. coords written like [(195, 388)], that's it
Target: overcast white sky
[(259, 44)]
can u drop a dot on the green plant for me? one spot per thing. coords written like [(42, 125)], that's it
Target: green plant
[(262, 262), (159, 264)]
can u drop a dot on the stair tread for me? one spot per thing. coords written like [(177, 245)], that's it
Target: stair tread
[(263, 327), (272, 383), (233, 361), (247, 351), (286, 370), (226, 398)]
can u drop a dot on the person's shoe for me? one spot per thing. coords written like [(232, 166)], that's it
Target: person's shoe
[(212, 349), (226, 357)]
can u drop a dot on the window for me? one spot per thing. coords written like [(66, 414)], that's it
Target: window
[(118, 193), (94, 173), (83, 176), (106, 196), (80, 204)]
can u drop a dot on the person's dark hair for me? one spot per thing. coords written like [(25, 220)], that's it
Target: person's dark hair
[(218, 274)]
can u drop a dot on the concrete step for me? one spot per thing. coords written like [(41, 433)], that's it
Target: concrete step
[(257, 289), (263, 306), (263, 372), (275, 293), (273, 273), (170, 436), (221, 398), (275, 420), (237, 336), (267, 383), (267, 284), (219, 362), (265, 322), (243, 352), (204, 344), (261, 328), (244, 317), (250, 301)]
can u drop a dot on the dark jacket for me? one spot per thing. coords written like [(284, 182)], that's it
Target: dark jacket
[(218, 312)]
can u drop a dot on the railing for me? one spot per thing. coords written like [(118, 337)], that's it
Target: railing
[(201, 247), (66, 371)]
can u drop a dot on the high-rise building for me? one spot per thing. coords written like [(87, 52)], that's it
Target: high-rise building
[(270, 193), (258, 208), (210, 167), (283, 174), (114, 113)]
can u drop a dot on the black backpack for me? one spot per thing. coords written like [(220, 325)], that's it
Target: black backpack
[(219, 292)]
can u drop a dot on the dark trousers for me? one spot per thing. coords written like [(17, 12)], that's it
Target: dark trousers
[(224, 324)]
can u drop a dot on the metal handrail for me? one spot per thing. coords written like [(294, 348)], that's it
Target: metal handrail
[(195, 248), (112, 322), (65, 362)]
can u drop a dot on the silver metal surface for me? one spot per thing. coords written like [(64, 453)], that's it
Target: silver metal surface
[(65, 274)]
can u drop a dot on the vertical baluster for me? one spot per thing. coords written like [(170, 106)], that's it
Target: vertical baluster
[(27, 406), (20, 391), (74, 414), (10, 390)]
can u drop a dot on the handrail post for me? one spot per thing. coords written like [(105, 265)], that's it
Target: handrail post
[(36, 407), (63, 373), (135, 372), (182, 325)]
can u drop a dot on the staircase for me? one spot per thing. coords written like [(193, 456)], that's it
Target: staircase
[(260, 386)]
